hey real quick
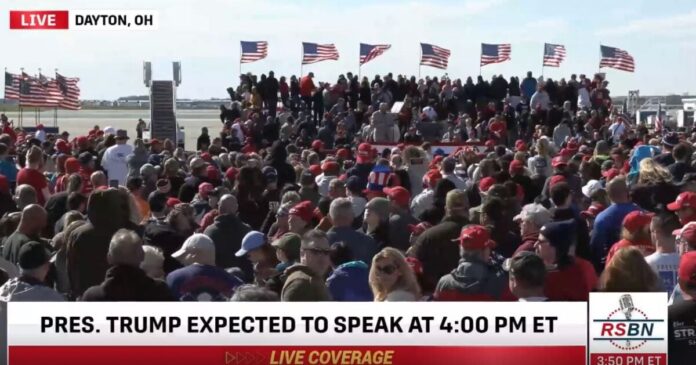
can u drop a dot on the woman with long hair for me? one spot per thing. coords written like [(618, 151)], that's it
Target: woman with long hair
[(249, 190), (392, 279), (540, 164), (628, 272), (654, 187)]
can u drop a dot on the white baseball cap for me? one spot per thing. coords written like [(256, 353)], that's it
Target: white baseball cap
[(195, 243), (591, 187), (110, 130)]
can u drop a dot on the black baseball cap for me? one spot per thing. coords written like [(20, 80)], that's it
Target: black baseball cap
[(33, 255), (86, 157)]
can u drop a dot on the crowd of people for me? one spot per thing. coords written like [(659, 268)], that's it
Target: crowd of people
[(548, 195)]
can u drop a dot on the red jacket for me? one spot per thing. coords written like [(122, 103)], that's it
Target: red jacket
[(563, 285), (646, 247), (306, 86)]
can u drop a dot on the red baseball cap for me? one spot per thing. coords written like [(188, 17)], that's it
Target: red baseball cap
[(304, 210), (486, 183), (432, 177), (686, 199), (567, 153), (212, 172), (330, 166), (558, 161), (687, 268), (205, 188), (490, 143), (154, 141), (520, 145), (172, 202), (81, 140), (206, 157), (475, 237), (592, 211), (231, 173), (315, 170), (364, 153), (516, 166), (318, 145), (611, 173), (636, 220), (556, 179), (398, 194)]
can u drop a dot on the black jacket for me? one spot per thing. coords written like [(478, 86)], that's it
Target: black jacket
[(88, 245), (582, 234), (227, 233), (437, 251), (128, 284), (163, 236)]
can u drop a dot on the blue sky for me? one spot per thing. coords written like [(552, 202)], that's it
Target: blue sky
[(204, 35)]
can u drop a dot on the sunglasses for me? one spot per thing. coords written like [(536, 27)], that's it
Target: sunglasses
[(389, 269)]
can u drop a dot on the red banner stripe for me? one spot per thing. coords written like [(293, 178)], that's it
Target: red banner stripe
[(281, 355)]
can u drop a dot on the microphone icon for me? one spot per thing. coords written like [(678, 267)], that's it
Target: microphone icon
[(626, 305)]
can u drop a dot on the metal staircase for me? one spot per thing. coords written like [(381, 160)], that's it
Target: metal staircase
[(163, 111)]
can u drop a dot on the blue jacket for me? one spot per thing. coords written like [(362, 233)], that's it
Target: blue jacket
[(9, 169), (529, 85), (607, 231), (350, 283), (361, 245)]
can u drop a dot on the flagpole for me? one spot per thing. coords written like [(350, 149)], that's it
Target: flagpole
[(599, 64), (420, 63), (302, 59), (543, 54), (480, 56)]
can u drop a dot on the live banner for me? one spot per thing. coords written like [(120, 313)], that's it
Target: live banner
[(297, 333)]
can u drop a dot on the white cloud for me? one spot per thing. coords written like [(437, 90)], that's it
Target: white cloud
[(678, 25)]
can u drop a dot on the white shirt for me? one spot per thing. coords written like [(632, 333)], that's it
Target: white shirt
[(617, 130), (584, 99), (458, 182), (666, 266), (40, 134), (114, 162)]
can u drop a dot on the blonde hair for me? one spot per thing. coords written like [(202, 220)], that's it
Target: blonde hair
[(412, 152), (628, 272), (652, 173), (35, 155), (407, 279), (542, 147)]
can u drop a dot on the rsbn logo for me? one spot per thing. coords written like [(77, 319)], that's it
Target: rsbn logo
[(627, 327)]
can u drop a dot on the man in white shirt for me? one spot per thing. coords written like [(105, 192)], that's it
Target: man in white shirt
[(665, 260), (426, 198), (114, 160), (527, 275), (617, 129), (540, 99), (448, 166)]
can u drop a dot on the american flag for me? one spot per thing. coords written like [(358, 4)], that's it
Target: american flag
[(616, 58), (313, 52), (434, 56), (53, 94), (495, 53), (369, 52), (253, 51), (33, 94), (12, 86), (554, 54), (70, 90)]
